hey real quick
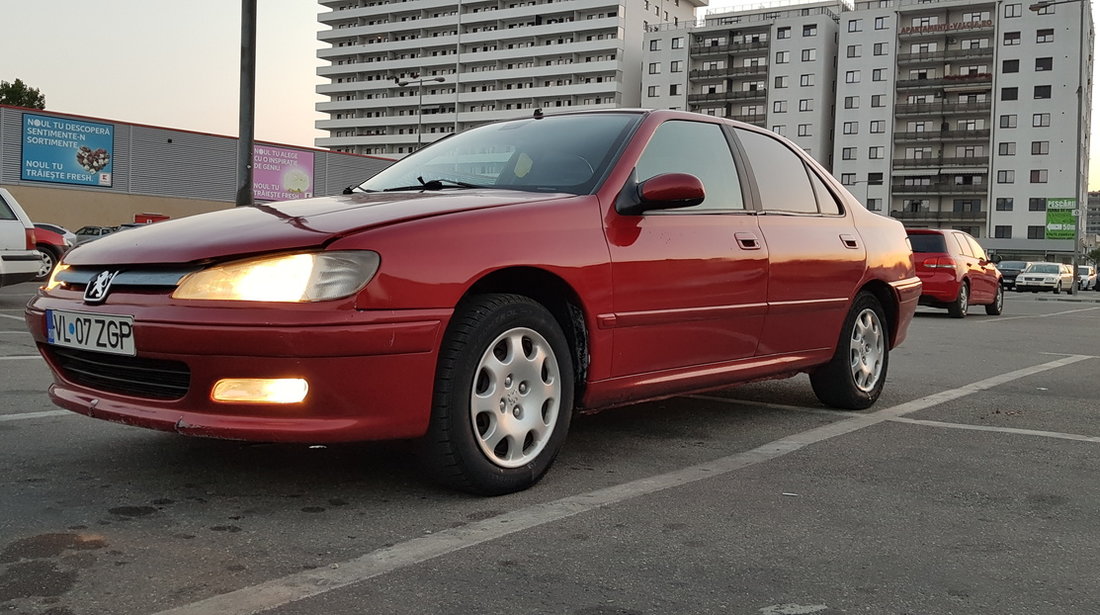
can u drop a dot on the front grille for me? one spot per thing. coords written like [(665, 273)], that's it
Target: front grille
[(137, 376)]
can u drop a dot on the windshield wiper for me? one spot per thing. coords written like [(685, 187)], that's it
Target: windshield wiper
[(434, 184)]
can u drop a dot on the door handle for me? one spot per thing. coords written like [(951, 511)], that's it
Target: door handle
[(747, 241), (850, 241)]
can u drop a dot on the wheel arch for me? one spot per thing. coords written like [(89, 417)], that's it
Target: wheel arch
[(888, 299), (556, 295)]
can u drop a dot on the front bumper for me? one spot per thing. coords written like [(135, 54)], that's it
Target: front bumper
[(370, 373)]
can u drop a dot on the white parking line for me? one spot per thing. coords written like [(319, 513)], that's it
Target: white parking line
[(22, 357), (1024, 432), (19, 318), (291, 588), (1052, 314), (34, 415)]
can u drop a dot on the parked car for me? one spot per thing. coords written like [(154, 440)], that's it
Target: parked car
[(1009, 270), (1086, 277), (85, 234), (20, 259), (955, 272), (69, 236), (475, 294), (1045, 276), (52, 245)]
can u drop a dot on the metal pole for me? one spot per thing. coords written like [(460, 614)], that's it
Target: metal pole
[(245, 138), (1077, 204)]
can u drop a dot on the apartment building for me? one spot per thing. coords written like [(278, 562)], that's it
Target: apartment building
[(968, 115), (407, 72), (771, 67)]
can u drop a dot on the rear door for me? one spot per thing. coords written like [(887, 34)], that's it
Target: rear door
[(981, 273), (816, 256), (13, 236)]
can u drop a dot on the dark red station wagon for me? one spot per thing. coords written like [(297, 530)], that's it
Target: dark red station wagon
[(477, 293)]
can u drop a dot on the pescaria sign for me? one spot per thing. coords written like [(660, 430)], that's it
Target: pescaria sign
[(64, 151), (1061, 218)]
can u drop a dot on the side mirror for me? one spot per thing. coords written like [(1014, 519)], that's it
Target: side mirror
[(349, 190), (665, 191)]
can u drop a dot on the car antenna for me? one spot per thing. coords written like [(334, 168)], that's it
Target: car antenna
[(538, 115)]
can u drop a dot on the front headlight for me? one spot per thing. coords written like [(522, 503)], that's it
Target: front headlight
[(291, 278)]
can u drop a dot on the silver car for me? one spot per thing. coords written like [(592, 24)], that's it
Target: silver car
[(1046, 276)]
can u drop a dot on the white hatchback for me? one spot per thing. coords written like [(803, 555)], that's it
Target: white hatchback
[(19, 257)]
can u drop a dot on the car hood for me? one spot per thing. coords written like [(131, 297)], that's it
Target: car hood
[(288, 225)]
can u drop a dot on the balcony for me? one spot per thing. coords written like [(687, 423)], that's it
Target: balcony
[(935, 57), (945, 216), (950, 81), (708, 50), (941, 136), (723, 73), (939, 188), (940, 108), (757, 94), (757, 119), (938, 162), (954, 29)]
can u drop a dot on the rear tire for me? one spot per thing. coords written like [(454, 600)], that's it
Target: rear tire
[(49, 261), (503, 396), (854, 377), (998, 305), (961, 305)]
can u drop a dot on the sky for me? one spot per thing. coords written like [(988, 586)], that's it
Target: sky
[(176, 64)]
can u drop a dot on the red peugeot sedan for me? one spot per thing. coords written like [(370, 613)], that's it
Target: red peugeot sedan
[(477, 293), (955, 272)]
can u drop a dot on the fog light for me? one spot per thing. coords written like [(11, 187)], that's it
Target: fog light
[(260, 390)]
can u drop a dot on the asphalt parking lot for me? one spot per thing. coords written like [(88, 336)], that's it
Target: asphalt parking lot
[(969, 488)]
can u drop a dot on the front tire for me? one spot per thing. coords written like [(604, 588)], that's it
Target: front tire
[(49, 261), (854, 377), (503, 396), (998, 305), (961, 305), (1058, 289)]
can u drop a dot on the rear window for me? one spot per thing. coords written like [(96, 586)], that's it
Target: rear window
[(6, 212), (927, 243), (1012, 264)]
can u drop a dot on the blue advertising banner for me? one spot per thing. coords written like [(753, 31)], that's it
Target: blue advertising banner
[(64, 151)]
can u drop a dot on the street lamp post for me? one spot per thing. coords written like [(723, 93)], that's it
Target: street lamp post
[(419, 83), (1077, 204)]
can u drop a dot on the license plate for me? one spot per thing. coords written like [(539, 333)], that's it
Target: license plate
[(108, 333)]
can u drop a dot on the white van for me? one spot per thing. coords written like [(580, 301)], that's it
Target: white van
[(20, 260)]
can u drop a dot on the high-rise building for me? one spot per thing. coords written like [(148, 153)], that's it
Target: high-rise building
[(403, 73), (960, 114)]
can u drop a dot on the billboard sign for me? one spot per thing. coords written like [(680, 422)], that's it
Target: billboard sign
[(280, 174), (1061, 218), (64, 151)]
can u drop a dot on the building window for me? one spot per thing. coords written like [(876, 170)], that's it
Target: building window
[(1008, 121), (678, 42), (1045, 10), (676, 66), (806, 80), (876, 152), (1010, 66), (851, 128), (1004, 204), (1039, 176), (1040, 148), (878, 74), (651, 91), (848, 179), (1045, 35), (655, 45), (855, 51), (1036, 204), (878, 100), (779, 129), (878, 126), (881, 23), (674, 89), (654, 68), (1042, 92), (1008, 148), (809, 30), (855, 25), (1013, 10), (882, 49), (1006, 177), (781, 81), (1012, 38), (851, 76), (1036, 232), (1002, 231), (804, 130), (782, 57), (1010, 93), (851, 102), (809, 55), (779, 106), (1040, 120), (1044, 64), (806, 104), (848, 153), (783, 32)]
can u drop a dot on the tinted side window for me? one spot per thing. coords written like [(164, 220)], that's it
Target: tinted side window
[(700, 149), (780, 174), (975, 247), (6, 212), (927, 243), (826, 203), (964, 247)]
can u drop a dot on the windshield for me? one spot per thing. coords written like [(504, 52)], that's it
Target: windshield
[(567, 153), (1012, 265), (1084, 271), (924, 243), (1044, 268)]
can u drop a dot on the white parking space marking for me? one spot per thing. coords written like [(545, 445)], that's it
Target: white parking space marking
[(1012, 430), (34, 415), (22, 357), (1051, 315), (766, 404), (291, 588), (19, 318)]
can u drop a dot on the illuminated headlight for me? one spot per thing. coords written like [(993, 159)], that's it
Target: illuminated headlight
[(291, 278), (53, 282), (260, 390)]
